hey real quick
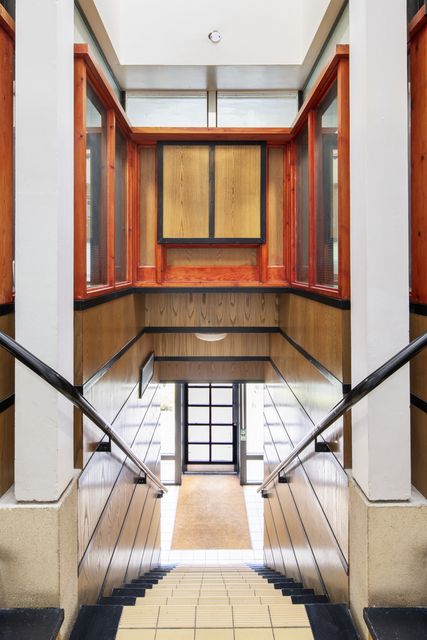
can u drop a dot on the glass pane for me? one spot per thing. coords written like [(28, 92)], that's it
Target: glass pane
[(222, 453), (198, 453), (302, 206), (167, 471), (222, 396), (198, 434), (222, 434), (327, 191), (256, 108), (167, 108), (96, 191), (120, 231), (255, 470), (167, 418), (198, 395), (254, 418), (198, 415), (222, 415)]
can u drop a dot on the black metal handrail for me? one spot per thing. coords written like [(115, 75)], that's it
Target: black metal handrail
[(69, 391), (351, 398)]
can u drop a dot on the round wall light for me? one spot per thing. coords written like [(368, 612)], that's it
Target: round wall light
[(215, 36), (211, 337)]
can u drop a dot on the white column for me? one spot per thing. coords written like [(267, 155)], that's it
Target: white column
[(44, 243), (379, 242)]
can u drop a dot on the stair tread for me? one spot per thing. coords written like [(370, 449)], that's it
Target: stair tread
[(396, 623), (97, 621), (30, 624), (331, 622)]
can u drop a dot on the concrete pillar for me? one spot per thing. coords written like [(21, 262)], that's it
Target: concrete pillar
[(44, 243), (379, 242)]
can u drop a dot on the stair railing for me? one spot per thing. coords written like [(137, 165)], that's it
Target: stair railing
[(371, 382), (69, 391)]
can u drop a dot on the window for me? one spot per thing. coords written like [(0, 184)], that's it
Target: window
[(327, 191), (167, 108), (120, 218), (96, 191), (256, 108), (301, 227)]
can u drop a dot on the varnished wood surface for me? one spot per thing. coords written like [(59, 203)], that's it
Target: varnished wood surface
[(6, 165), (147, 135), (275, 199), (343, 81), (418, 326), (199, 276), (323, 534), (237, 191), (234, 344), (80, 83), (148, 207), (7, 368), (186, 191), (211, 257), (419, 449), (323, 331), (7, 23), (208, 371), (211, 309), (418, 70), (7, 448)]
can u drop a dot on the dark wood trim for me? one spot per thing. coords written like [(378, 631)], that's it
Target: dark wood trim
[(212, 330), (211, 358), (419, 403), (7, 403), (7, 23), (414, 307), (417, 23), (152, 135), (7, 308)]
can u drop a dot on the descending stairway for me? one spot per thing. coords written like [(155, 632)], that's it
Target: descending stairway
[(225, 602)]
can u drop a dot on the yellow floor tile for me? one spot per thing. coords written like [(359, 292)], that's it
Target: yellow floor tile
[(288, 615), (136, 634), (171, 617), (214, 634), (139, 617), (214, 616), (175, 634), (175, 600), (247, 600), (292, 634), (253, 634), (249, 616), (213, 601), (275, 599)]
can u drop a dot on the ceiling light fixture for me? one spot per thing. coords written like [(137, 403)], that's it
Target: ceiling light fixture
[(211, 337), (215, 36)]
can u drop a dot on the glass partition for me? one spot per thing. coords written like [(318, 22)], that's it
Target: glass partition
[(120, 218), (96, 191), (302, 253), (327, 190)]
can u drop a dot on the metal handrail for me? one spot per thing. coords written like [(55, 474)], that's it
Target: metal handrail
[(63, 386), (371, 382)]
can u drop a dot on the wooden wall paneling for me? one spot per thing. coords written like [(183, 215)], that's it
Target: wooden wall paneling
[(343, 80), (275, 199), (6, 169), (208, 371), (418, 73), (147, 556), (321, 330), (289, 210), (7, 361), (185, 191), (111, 169), (199, 276), (268, 556), (155, 560), (235, 344), (151, 135), (275, 547), (419, 449), (211, 309), (135, 560), (322, 541), (80, 81), (237, 191), (148, 207), (418, 326), (7, 449), (102, 469), (211, 257), (326, 475)]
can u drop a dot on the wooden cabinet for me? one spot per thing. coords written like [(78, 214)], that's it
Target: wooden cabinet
[(211, 193)]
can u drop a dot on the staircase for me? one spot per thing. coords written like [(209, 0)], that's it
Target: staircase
[(224, 602)]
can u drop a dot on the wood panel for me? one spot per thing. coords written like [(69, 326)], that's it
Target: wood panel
[(211, 371), (80, 83), (7, 365), (323, 331), (211, 309), (7, 449), (6, 167), (418, 70), (148, 207), (418, 326), (235, 344), (185, 191), (419, 449), (276, 205), (211, 257), (237, 191)]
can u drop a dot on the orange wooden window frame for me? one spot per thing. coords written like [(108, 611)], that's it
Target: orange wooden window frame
[(7, 46)]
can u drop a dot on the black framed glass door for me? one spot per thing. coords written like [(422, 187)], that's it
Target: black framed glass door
[(211, 416)]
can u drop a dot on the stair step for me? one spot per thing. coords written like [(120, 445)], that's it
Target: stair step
[(309, 599), (128, 591), (30, 624), (405, 623), (123, 600), (297, 592), (331, 622), (96, 622)]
